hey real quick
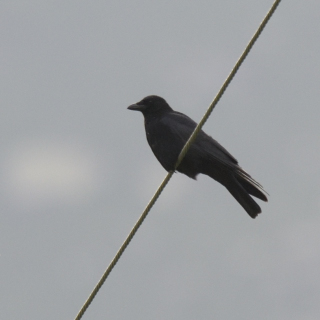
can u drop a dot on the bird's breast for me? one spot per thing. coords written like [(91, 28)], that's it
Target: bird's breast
[(164, 146)]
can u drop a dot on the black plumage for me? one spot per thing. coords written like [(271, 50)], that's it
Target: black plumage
[(168, 130)]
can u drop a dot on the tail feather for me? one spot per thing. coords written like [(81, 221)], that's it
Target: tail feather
[(252, 189), (240, 184), (250, 185), (244, 199)]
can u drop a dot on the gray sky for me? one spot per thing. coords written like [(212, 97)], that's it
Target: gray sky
[(76, 170)]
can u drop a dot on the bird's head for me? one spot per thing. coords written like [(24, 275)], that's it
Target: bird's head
[(151, 105)]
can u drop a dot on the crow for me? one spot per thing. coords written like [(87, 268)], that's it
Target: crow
[(167, 132)]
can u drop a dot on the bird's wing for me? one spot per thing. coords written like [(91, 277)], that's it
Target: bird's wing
[(182, 126)]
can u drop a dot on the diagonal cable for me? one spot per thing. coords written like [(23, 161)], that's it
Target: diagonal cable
[(181, 156)]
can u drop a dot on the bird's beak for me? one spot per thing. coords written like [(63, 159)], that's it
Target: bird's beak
[(136, 107)]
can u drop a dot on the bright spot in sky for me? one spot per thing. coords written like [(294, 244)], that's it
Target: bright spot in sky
[(46, 171)]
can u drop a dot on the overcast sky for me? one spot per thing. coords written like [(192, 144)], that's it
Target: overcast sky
[(76, 169)]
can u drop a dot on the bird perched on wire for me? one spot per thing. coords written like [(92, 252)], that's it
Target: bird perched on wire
[(167, 132)]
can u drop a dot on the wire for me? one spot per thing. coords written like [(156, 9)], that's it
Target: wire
[(181, 155)]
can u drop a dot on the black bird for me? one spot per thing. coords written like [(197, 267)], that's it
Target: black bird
[(168, 130)]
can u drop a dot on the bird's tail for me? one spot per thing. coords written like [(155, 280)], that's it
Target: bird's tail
[(242, 196), (241, 185), (252, 187)]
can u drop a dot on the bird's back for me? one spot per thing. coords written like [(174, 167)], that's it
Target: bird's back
[(168, 134)]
